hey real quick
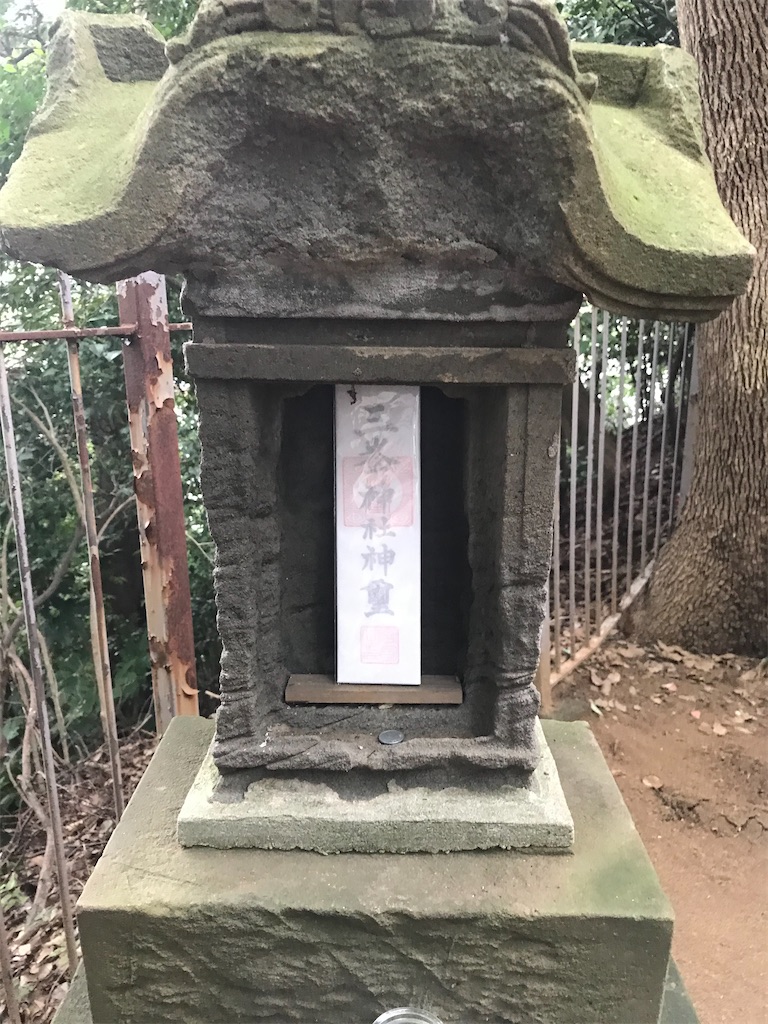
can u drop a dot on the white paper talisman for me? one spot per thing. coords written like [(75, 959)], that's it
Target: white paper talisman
[(378, 535)]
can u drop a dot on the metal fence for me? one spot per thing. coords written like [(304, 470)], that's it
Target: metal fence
[(617, 495), (618, 483), (145, 337)]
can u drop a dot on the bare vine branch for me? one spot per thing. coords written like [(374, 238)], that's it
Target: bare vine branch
[(112, 515), (48, 431), (56, 580)]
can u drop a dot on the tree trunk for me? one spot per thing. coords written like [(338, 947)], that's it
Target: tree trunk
[(709, 590)]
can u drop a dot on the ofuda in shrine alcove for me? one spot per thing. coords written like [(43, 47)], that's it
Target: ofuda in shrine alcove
[(382, 496)]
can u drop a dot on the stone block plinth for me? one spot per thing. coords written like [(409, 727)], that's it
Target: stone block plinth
[(437, 811), (209, 936)]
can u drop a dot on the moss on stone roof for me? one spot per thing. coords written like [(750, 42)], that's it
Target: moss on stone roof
[(408, 145)]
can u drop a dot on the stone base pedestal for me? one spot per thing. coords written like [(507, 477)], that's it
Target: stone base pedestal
[(676, 1007), (431, 811), (205, 936)]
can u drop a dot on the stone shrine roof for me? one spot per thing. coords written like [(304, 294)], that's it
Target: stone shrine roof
[(446, 159)]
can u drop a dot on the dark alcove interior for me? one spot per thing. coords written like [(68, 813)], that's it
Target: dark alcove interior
[(305, 490)]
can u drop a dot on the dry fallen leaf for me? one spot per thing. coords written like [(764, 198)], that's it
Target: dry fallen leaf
[(652, 782), (671, 653), (632, 651), (698, 663)]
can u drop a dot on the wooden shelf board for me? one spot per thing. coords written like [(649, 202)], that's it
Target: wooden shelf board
[(317, 689)]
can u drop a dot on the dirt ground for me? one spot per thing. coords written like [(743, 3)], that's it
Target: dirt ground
[(687, 740), (38, 952)]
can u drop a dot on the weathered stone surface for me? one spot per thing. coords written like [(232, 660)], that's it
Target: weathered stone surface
[(456, 334), (269, 497), (435, 811), (291, 15), (390, 18), (676, 1008), (229, 937), (386, 365), (128, 51), (368, 166), (75, 1007)]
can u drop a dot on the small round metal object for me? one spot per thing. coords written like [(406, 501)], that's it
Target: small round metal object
[(407, 1015), (390, 737)]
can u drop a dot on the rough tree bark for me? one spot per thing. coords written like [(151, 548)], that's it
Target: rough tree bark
[(709, 590)]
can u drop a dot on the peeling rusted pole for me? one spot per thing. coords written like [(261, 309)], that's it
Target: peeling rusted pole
[(99, 641), (36, 661), (159, 500), (121, 331)]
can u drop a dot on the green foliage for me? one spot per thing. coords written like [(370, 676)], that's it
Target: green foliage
[(627, 22), (22, 84), (19, 23), (11, 893), (170, 17), (39, 381), (40, 389)]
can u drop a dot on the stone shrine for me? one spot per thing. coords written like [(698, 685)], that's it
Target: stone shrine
[(376, 203)]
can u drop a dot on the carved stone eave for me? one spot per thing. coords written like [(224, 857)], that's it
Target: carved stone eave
[(438, 175)]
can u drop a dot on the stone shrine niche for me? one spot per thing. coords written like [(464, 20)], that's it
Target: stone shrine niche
[(399, 203), (488, 454), (407, 194)]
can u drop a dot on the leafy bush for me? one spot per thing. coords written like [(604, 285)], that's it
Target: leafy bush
[(48, 460), (628, 22)]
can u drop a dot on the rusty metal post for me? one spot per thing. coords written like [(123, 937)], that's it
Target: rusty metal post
[(36, 661), (101, 664), (121, 331), (159, 499), (673, 496)]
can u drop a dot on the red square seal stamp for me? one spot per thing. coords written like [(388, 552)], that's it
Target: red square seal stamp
[(379, 645)]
